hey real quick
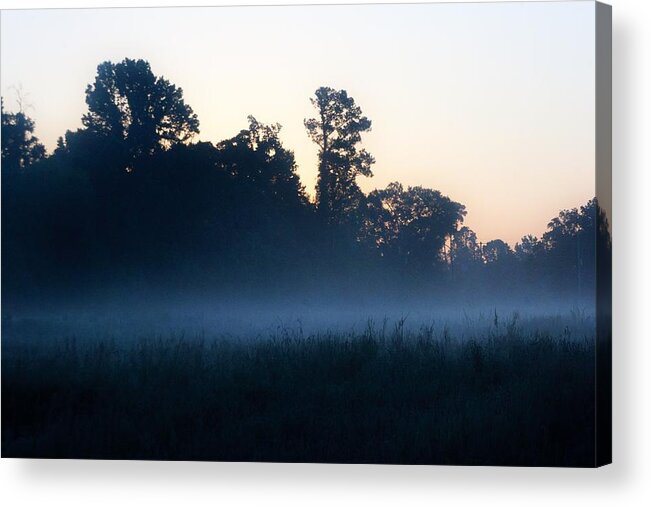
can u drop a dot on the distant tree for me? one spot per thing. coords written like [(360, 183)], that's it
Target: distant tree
[(20, 147), (411, 226), (337, 130), (528, 247), (570, 223), (144, 112), (570, 243), (257, 157), (496, 251), (464, 249)]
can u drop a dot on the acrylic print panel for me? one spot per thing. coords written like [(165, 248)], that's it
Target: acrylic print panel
[(344, 234)]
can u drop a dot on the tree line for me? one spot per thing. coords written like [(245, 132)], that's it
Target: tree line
[(129, 198)]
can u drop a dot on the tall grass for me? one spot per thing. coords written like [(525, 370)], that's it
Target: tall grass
[(382, 395)]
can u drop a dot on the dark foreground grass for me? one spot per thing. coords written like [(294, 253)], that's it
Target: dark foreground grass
[(507, 399)]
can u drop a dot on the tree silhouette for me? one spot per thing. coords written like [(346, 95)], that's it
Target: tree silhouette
[(496, 250), (337, 130), (257, 157), (20, 147), (145, 113), (529, 246), (570, 243), (235, 212), (411, 226), (465, 251)]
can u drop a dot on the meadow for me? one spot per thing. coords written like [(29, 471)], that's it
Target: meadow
[(511, 392)]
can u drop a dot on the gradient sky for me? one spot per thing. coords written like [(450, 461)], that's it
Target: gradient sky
[(492, 104)]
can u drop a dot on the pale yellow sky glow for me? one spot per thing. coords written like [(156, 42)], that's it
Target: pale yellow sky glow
[(492, 104)]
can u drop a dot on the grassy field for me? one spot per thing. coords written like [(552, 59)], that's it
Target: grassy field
[(505, 397)]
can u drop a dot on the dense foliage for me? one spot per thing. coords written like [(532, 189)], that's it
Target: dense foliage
[(130, 199)]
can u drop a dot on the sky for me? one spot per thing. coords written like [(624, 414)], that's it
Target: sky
[(492, 104)]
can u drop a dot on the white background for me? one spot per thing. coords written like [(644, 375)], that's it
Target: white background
[(626, 482)]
